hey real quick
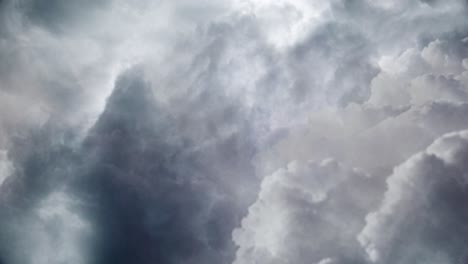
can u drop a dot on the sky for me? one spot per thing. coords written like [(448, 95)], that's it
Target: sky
[(234, 132)]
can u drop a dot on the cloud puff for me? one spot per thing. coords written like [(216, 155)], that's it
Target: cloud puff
[(307, 213), (422, 217), (318, 212), (410, 102), (417, 96)]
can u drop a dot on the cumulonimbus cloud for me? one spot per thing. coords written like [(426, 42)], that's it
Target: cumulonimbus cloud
[(233, 131)]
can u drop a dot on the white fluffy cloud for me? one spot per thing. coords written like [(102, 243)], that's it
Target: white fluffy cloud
[(326, 213), (306, 213), (422, 217), (418, 95), (411, 103)]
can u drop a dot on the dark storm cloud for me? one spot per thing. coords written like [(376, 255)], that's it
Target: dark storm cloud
[(148, 192), (130, 177), (61, 16), (152, 201), (42, 161), (319, 101), (149, 185)]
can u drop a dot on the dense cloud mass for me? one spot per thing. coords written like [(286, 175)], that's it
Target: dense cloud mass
[(422, 217), (233, 132), (307, 213)]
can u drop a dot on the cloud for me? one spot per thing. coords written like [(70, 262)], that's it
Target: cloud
[(139, 175), (154, 123), (410, 102), (421, 218), (307, 213), (417, 95), (6, 168), (153, 195), (315, 212)]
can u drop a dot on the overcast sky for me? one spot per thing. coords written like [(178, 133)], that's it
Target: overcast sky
[(234, 132)]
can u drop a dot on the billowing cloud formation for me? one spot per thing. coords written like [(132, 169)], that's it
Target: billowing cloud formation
[(307, 213), (232, 131), (315, 212), (417, 96), (422, 217), (137, 185), (153, 198)]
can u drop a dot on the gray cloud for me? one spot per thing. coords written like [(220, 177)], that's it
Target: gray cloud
[(307, 213), (422, 217), (139, 187), (146, 131), (153, 198)]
